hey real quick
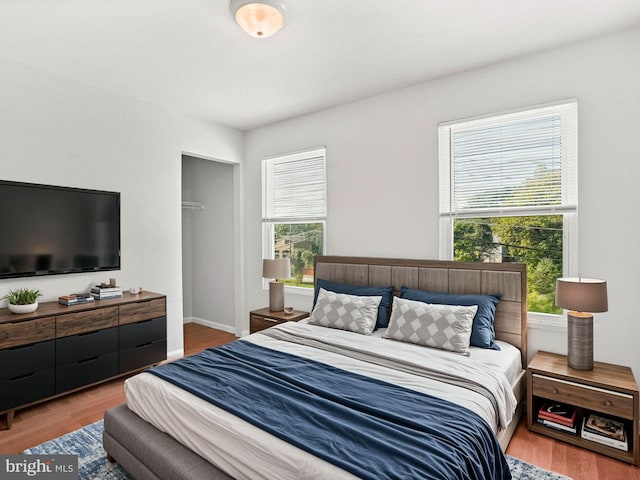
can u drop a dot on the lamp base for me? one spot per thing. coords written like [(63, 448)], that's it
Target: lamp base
[(276, 296), (580, 340)]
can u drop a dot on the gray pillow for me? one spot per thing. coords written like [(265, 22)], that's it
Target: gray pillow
[(346, 312), (447, 327)]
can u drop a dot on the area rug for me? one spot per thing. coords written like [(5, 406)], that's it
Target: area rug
[(93, 464)]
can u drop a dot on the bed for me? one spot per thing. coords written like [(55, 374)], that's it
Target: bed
[(165, 431)]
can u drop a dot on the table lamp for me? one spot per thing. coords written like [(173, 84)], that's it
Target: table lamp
[(579, 296), (275, 269)]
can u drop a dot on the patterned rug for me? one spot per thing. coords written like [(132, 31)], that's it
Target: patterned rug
[(93, 464)]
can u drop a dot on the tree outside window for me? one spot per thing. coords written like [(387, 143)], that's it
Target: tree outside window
[(534, 240), (299, 242)]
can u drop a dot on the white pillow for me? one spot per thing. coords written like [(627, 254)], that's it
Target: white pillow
[(346, 312), (447, 327)]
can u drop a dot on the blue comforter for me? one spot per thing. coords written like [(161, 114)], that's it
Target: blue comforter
[(368, 427)]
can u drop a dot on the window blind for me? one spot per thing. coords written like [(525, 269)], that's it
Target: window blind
[(295, 187), (510, 164)]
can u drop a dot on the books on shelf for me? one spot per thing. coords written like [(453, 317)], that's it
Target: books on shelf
[(99, 288), (105, 296), (557, 426), (605, 431), (606, 426), (102, 292), (75, 299), (558, 413)]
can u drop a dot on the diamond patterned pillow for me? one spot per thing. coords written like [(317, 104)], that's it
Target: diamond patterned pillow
[(346, 312), (447, 327)]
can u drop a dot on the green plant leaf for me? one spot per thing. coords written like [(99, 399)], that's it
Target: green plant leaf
[(22, 296)]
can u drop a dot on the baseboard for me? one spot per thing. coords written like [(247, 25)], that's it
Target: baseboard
[(211, 324), (175, 354)]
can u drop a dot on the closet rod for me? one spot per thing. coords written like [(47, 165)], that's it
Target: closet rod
[(193, 205)]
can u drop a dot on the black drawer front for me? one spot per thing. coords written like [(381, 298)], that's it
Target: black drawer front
[(86, 345), (26, 389), (89, 371), (19, 361), (142, 356), (136, 334)]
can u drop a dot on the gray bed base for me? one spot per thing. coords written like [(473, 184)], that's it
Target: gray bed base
[(149, 454)]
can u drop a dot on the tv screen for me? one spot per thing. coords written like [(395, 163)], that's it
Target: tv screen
[(46, 230)]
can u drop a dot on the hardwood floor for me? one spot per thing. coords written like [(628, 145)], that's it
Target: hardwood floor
[(198, 338), (566, 459), (43, 422)]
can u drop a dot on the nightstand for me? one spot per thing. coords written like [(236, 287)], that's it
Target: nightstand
[(609, 390), (265, 318)]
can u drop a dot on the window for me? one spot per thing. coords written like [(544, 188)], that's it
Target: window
[(508, 193), (294, 211)]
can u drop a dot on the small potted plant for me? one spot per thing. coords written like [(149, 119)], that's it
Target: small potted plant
[(22, 300)]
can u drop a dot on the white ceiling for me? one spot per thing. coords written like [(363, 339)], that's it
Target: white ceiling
[(190, 56)]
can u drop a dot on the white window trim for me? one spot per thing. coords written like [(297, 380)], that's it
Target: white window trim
[(307, 292), (547, 322), (569, 212)]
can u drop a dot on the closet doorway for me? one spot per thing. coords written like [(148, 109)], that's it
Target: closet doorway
[(208, 247)]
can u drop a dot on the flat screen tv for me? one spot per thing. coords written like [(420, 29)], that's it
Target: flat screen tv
[(48, 230)]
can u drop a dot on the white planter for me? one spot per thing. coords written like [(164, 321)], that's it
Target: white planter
[(32, 307)]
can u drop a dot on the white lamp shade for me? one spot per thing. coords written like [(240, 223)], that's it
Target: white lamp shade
[(278, 268), (582, 294), (259, 18)]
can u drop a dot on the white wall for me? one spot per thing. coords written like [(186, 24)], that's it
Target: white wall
[(208, 244), (382, 171), (57, 131)]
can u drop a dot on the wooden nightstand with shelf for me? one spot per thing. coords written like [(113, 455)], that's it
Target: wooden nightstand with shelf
[(608, 390), (265, 318)]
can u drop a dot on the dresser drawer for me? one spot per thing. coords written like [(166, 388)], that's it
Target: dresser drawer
[(136, 334), (138, 311), (87, 321), (594, 398), (20, 361), (143, 355), (27, 388), (80, 347), (24, 333), (85, 372)]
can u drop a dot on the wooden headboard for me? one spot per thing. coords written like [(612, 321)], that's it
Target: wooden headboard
[(507, 279)]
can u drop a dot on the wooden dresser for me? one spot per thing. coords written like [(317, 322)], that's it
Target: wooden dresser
[(58, 349)]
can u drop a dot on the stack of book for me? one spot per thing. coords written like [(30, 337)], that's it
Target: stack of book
[(75, 299), (558, 415), (103, 292), (605, 431)]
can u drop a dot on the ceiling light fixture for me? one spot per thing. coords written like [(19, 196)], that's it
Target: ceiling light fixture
[(259, 18)]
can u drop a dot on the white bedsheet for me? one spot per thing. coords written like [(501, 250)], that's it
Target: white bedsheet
[(245, 451), (508, 360)]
